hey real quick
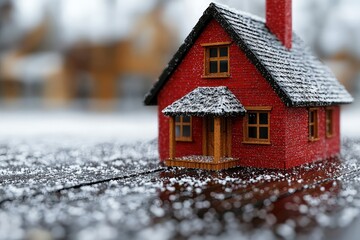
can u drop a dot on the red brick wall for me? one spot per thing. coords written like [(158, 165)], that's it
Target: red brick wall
[(299, 149), (252, 90), (279, 20)]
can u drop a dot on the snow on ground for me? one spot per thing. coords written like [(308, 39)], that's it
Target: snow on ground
[(40, 167), (127, 194), (97, 176), (126, 126)]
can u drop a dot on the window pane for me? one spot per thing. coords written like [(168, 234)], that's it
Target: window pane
[(223, 51), (224, 66), (177, 131), (252, 118), (186, 119), (186, 131), (177, 119), (264, 133), (213, 52), (263, 118), (213, 67), (312, 131), (312, 116), (329, 115), (252, 132), (329, 123)]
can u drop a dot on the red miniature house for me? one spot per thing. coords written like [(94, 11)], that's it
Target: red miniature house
[(242, 91)]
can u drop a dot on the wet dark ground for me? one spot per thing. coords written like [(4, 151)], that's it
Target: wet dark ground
[(116, 191)]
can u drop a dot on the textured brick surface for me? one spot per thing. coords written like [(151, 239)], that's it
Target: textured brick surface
[(279, 20), (299, 149), (296, 75), (289, 126)]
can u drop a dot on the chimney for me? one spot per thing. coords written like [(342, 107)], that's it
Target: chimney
[(279, 20)]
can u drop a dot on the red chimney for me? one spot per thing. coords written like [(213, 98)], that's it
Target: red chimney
[(279, 20)]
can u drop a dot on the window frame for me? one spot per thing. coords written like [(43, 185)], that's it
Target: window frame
[(315, 124), (246, 125), (181, 123), (207, 59), (329, 122)]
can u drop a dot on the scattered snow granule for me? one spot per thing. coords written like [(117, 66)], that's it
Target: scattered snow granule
[(177, 205), (291, 190), (218, 196), (76, 211), (157, 232), (323, 219), (172, 197), (270, 219), (303, 208), (198, 190), (202, 204), (170, 188), (11, 226), (347, 216), (267, 202), (100, 231), (157, 211), (286, 231), (348, 192)]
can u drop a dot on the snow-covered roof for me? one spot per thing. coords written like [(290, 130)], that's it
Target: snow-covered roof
[(206, 101), (296, 75)]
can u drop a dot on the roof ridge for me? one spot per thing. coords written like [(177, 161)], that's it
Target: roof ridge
[(238, 12), (291, 82)]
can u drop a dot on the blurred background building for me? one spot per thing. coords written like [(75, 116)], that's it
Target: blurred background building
[(105, 54)]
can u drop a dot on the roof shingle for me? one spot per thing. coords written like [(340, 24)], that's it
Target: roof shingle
[(206, 101), (296, 75)]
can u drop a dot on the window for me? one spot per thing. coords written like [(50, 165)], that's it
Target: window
[(257, 126), (329, 122), (183, 131), (216, 60), (313, 124)]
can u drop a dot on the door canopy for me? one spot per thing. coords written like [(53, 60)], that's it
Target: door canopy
[(206, 101)]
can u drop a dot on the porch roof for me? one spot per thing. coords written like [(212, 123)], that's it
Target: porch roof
[(206, 101)]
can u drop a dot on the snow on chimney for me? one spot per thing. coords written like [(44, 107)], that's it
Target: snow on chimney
[(279, 20)]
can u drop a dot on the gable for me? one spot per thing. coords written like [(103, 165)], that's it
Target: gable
[(244, 79), (296, 76)]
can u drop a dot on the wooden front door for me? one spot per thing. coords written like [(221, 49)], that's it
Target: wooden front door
[(208, 140)]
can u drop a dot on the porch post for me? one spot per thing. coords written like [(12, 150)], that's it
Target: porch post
[(172, 137), (217, 139)]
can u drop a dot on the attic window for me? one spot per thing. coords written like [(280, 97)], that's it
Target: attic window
[(257, 125), (329, 122), (183, 131), (313, 124), (216, 62)]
